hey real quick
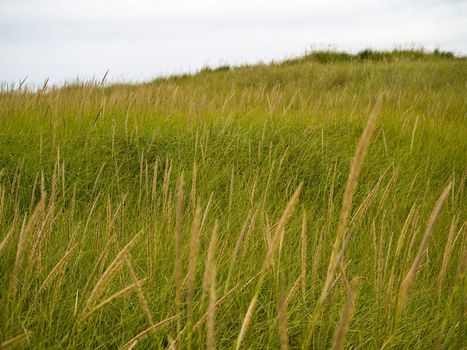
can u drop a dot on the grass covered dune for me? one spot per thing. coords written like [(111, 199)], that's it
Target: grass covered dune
[(314, 203)]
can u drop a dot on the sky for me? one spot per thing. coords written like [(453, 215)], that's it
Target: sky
[(138, 40)]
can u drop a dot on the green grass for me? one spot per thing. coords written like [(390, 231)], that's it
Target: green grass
[(107, 160)]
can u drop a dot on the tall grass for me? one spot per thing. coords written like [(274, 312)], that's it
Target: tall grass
[(285, 205)]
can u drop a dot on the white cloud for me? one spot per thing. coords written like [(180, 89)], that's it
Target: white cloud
[(141, 39)]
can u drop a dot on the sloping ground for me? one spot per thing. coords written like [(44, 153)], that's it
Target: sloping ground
[(107, 160)]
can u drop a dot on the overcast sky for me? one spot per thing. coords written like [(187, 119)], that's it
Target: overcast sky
[(141, 39)]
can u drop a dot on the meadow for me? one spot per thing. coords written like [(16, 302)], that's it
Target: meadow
[(318, 202)]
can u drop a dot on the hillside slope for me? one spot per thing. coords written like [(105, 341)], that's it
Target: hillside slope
[(87, 168)]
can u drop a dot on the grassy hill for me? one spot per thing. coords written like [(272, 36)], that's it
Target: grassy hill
[(236, 208)]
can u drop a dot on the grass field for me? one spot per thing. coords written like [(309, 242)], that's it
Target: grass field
[(318, 202)]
